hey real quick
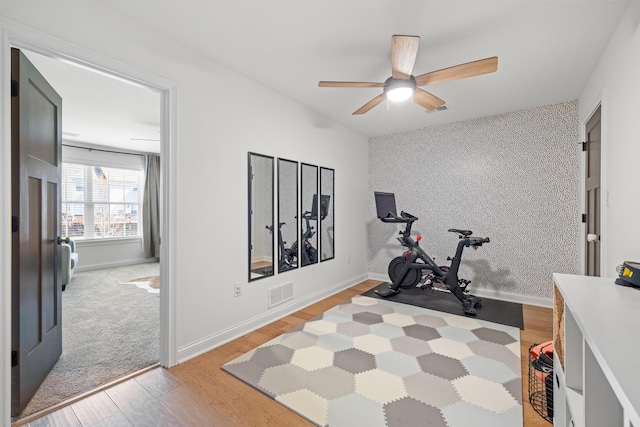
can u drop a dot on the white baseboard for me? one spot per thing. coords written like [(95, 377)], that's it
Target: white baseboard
[(216, 340), (381, 277), (115, 264), (510, 297), (493, 294), (211, 342)]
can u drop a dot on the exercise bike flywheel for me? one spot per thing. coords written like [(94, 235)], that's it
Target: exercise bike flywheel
[(412, 277)]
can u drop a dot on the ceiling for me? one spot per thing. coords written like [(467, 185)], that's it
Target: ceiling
[(100, 110), (547, 50)]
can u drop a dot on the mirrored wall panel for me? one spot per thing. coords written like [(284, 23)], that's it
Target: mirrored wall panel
[(309, 209), (261, 232), (326, 214), (287, 215)]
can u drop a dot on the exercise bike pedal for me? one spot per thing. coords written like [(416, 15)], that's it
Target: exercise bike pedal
[(426, 286)]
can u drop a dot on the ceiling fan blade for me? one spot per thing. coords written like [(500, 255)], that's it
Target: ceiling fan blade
[(470, 69), (369, 105), (403, 55), (427, 100), (349, 84)]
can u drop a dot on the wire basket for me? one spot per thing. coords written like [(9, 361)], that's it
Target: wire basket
[(541, 383)]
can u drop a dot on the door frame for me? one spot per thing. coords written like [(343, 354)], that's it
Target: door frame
[(21, 37), (585, 115)]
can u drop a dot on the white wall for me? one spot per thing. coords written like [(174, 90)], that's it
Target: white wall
[(220, 117), (96, 254), (615, 83)]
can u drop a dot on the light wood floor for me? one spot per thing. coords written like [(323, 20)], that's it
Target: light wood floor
[(199, 393)]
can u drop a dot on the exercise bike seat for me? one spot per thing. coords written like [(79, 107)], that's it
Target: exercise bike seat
[(465, 233)]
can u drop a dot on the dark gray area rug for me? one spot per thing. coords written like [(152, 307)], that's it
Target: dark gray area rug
[(371, 362), (492, 310), (109, 330)]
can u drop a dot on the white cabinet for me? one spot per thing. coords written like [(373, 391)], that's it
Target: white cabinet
[(597, 358)]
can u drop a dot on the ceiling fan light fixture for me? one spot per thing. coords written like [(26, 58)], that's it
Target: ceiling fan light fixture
[(399, 94), (403, 85), (398, 90)]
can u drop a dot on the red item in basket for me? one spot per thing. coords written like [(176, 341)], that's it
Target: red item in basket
[(545, 347), (542, 359)]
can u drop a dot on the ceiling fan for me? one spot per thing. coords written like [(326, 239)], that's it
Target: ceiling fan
[(403, 85)]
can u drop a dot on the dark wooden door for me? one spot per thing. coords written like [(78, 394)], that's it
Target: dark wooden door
[(592, 194), (36, 141)]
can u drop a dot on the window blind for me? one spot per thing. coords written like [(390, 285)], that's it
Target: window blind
[(100, 202)]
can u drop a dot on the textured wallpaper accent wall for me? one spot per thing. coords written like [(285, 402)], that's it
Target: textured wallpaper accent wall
[(513, 177)]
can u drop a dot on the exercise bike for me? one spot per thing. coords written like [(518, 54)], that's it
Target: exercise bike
[(287, 257), (309, 255), (406, 271)]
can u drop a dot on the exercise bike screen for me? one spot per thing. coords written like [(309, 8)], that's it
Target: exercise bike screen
[(385, 204), (324, 206)]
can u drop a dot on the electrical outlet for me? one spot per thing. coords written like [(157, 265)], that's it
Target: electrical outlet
[(349, 259), (237, 290)]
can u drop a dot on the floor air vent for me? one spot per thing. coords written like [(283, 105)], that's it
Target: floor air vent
[(280, 294)]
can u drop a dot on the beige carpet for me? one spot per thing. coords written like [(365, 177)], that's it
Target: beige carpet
[(108, 331)]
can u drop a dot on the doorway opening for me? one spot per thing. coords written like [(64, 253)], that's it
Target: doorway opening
[(592, 191), (102, 213)]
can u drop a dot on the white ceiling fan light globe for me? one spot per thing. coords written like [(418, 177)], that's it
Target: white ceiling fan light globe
[(398, 90), (399, 94)]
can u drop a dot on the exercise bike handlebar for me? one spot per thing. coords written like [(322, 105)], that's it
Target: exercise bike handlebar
[(404, 218), (407, 218)]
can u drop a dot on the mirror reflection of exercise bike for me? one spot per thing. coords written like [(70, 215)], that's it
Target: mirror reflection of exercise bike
[(288, 257), (414, 268), (309, 255)]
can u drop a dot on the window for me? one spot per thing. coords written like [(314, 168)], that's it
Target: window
[(100, 202)]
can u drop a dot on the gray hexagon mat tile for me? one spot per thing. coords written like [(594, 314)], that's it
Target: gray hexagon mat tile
[(373, 362)]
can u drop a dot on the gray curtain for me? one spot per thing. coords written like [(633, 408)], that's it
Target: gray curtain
[(151, 207)]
